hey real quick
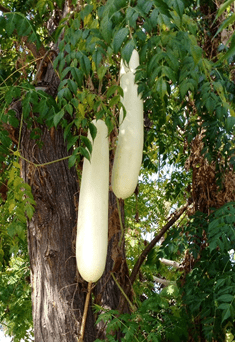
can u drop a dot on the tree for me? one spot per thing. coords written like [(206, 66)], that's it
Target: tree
[(60, 69)]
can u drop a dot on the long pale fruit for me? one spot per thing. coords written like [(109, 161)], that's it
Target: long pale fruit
[(128, 155), (92, 228)]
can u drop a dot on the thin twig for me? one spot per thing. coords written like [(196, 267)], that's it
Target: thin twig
[(40, 165), (123, 292), (20, 131), (21, 68), (121, 225), (83, 325)]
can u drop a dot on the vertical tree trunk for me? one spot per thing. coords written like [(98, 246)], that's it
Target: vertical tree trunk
[(58, 292)]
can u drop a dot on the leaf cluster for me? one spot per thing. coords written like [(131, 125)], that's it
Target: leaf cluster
[(207, 284), (157, 318), (184, 93), (15, 298)]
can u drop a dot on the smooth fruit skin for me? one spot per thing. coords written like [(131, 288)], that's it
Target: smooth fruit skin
[(128, 155), (92, 227)]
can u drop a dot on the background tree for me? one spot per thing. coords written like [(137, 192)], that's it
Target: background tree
[(173, 277)]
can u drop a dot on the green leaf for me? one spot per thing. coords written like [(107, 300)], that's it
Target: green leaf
[(229, 21), (161, 87), (106, 29), (229, 53), (228, 298), (179, 7), (230, 124), (85, 64), (42, 6), (127, 50), (11, 230), (162, 7), (13, 121), (223, 7), (115, 100), (119, 38), (24, 29), (72, 160), (77, 75), (220, 283), (101, 72), (58, 117), (10, 26), (93, 130), (131, 17), (16, 20), (65, 72), (60, 3), (72, 86), (147, 5), (97, 58), (86, 11), (109, 124), (86, 142), (112, 90), (210, 104), (84, 152), (29, 211), (71, 141), (68, 108), (226, 314), (196, 52), (64, 93)]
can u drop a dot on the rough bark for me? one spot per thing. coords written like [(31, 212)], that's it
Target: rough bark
[(58, 292), (57, 296), (106, 292)]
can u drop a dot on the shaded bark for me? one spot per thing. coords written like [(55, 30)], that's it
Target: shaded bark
[(106, 292), (58, 291), (57, 295)]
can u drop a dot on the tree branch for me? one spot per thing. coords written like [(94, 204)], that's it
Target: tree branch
[(146, 251), (153, 243), (170, 262), (164, 281), (37, 53), (4, 9)]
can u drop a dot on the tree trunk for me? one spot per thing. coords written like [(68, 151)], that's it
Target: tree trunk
[(58, 291)]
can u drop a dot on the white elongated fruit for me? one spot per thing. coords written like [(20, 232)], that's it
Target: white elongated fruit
[(92, 229), (128, 155)]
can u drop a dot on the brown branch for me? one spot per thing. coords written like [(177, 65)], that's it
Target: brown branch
[(37, 53), (145, 252), (150, 246), (4, 9), (39, 69)]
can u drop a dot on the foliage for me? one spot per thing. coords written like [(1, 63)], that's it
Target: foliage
[(202, 305), (157, 319), (186, 80), (15, 299), (207, 284)]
